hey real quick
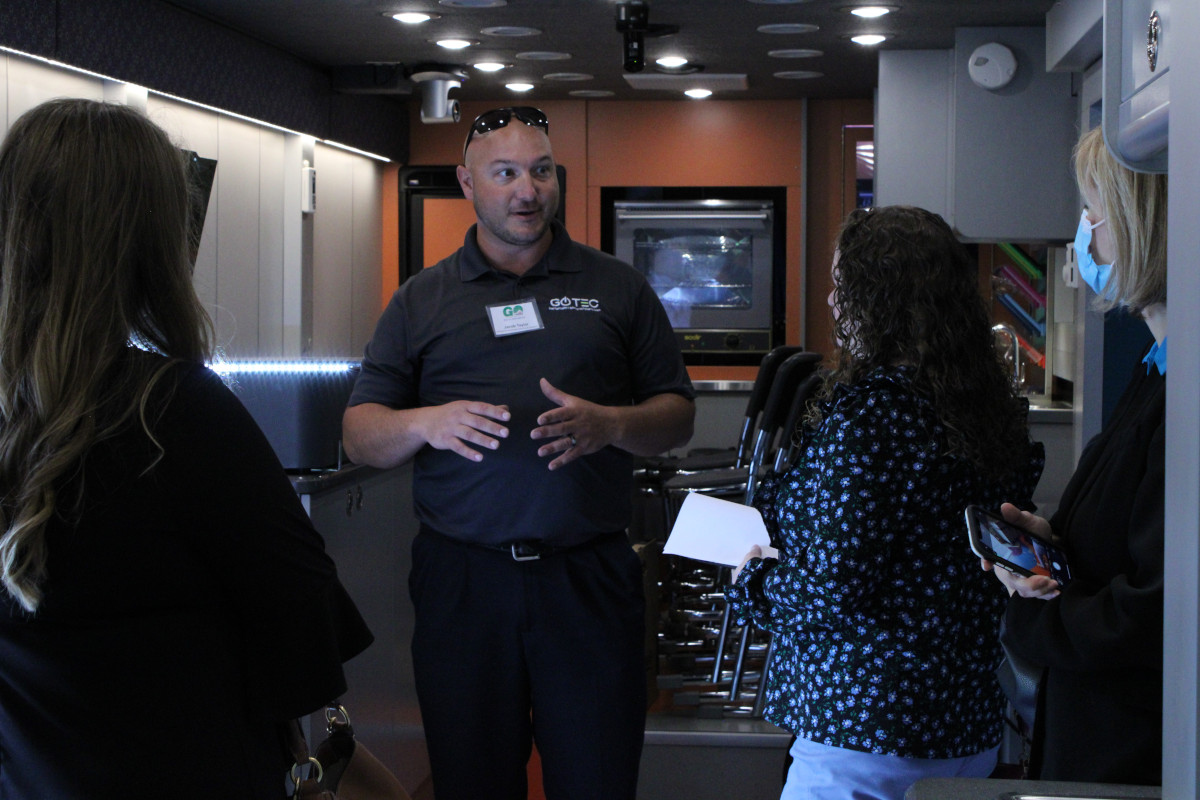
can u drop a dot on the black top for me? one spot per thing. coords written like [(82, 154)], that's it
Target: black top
[(605, 338), (884, 624), (189, 609), (1101, 638)]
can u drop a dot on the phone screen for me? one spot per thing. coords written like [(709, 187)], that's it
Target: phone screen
[(1015, 548)]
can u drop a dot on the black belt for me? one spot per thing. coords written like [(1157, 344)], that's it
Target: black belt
[(528, 549)]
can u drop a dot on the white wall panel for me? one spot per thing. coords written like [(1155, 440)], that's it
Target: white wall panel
[(252, 270), (32, 82), (333, 252), (368, 252), (4, 92), (271, 167), (196, 129), (237, 245)]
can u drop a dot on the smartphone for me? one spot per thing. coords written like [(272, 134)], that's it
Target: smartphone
[(1014, 549)]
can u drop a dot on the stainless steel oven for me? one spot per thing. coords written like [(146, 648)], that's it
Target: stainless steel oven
[(711, 263)]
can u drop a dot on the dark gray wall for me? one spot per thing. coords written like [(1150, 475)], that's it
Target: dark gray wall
[(156, 45)]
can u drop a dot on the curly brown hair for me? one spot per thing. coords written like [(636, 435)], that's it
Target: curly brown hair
[(907, 292)]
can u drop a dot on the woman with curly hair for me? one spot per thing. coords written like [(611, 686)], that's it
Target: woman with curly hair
[(165, 600), (885, 636)]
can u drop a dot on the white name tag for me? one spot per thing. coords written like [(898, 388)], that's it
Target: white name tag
[(520, 316)]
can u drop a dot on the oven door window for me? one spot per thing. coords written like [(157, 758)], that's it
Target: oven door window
[(697, 271)]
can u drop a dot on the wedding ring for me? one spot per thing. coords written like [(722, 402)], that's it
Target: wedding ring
[(571, 436)]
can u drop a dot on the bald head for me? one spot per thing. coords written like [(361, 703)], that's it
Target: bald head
[(509, 177)]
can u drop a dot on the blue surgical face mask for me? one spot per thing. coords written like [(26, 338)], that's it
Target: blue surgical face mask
[(1093, 274)]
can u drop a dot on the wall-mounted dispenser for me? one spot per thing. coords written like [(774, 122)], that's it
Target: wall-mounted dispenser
[(308, 188)]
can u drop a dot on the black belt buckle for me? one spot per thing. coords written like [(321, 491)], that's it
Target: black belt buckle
[(526, 551)]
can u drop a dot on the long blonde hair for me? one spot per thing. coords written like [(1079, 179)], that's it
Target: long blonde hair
[(1135, 206), (94, 258)]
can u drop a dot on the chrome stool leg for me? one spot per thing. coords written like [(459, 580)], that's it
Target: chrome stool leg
[(760, 697)]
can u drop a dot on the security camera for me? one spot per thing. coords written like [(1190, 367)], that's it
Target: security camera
[(634, 54), (435, 86), (633, 22), (633, 16)]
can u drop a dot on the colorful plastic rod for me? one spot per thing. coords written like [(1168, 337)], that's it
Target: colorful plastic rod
[(1021, 260), (1014, 277), (1021, 315)]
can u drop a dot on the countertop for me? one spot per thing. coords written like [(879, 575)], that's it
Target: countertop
[(322, 480), (1055, 413), (1002, 789), (1039, 412)]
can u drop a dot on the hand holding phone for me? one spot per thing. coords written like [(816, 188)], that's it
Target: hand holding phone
[(1015, 549)]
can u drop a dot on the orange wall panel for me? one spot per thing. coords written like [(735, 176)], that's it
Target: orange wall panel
[(446, 223), (703, 143)]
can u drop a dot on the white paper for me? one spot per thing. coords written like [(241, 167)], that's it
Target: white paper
[(710, 529)]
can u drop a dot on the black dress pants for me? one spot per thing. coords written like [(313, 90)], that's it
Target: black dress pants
[(509, 652)]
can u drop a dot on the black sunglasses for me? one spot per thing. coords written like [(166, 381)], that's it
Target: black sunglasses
[(500, 117)]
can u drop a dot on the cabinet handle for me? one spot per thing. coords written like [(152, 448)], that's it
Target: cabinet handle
[(358, 497), (349, 503)]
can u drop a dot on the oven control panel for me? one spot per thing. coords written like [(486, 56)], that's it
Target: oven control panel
[(724, 341)]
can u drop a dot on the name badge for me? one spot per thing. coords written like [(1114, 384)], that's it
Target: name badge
[(521, 316)]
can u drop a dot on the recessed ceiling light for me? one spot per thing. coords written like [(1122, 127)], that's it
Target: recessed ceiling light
[(590, 93), (454, 44), (870, 12), (868, 38), (489, 66), (700, 94), (413, 17), (799, 74), (568, 76), (671, 62), (788, 27), (799, 53), (518, 87), (543, 55), (511, 30), (473, 3)]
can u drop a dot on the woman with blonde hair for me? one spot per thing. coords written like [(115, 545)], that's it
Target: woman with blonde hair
[(1099, 640), (166, 603)]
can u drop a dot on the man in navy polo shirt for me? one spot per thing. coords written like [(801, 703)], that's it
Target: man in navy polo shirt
[(522, 374)]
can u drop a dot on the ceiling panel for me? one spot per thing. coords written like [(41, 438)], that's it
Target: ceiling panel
[(723, 36)]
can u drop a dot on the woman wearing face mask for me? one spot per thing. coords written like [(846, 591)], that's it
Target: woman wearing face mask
[(884, 628), (1099, 639)]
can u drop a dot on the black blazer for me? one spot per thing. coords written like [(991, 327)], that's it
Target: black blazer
[(1100, 717)]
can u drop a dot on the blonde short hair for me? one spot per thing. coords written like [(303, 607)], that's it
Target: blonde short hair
[(1135, 208)]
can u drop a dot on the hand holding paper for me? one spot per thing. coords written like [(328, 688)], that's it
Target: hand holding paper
[(718, 531)]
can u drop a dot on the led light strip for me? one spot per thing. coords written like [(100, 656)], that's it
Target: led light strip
[(282, 367)]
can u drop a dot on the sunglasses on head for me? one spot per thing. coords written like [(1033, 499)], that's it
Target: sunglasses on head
[(500, 117)]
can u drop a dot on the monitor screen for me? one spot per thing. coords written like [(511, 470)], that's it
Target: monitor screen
[(200, 173)]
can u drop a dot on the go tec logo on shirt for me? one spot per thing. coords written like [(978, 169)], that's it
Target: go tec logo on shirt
[(574, 304)]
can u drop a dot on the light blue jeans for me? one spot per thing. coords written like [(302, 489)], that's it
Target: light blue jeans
[(821, 772)]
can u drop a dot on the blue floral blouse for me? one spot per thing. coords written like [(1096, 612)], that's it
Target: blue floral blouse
[(885, 626)]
